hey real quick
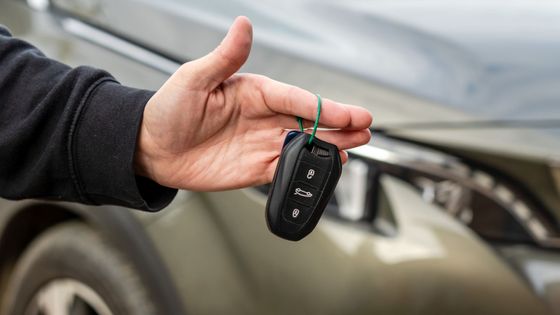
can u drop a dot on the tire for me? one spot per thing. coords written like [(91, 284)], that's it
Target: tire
[(72, 260)]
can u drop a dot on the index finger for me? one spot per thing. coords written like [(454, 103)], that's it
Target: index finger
[(291, 100)]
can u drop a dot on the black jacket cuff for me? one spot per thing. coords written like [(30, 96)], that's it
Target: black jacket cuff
[(102, 148)]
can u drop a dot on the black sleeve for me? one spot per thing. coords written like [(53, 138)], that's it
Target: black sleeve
[(69, 134)]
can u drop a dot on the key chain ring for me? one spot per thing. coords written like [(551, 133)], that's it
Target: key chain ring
[(300, 120)]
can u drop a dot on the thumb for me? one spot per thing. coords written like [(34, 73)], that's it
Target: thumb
[(228, 57)]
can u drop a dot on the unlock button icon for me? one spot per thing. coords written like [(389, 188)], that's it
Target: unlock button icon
[(310, 173), (295, 213)]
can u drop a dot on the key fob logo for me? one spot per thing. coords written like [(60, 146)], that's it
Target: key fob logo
[(303, 193)]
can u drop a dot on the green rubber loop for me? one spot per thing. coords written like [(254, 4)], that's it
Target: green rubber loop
[(300, 120)]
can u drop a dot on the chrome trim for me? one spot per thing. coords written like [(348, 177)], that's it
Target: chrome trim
[(428, 161), (352, 190), (118, 45)]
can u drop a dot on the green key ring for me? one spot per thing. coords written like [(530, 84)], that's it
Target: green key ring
[(300, 120)]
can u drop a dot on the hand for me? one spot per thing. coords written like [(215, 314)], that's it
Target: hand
[(208, 128)]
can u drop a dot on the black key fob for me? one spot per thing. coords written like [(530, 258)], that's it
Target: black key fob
[(305, 179)]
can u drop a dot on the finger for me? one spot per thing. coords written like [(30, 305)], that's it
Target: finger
[(291, 122), (343, 156), (345, 139), (291, 100), (226, 59)]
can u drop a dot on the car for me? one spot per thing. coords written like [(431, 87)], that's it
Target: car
[(452, 208)]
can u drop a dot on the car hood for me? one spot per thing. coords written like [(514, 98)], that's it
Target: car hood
[(490, 60)]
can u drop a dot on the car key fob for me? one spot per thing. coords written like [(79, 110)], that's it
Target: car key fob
[(305, 179)]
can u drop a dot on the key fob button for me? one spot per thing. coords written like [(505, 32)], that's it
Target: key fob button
[(303, 193), (310, 174), (296, 213)]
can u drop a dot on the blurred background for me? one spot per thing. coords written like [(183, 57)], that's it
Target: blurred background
[(453, 208)]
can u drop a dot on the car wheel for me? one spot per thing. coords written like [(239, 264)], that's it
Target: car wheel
[(71, 269)]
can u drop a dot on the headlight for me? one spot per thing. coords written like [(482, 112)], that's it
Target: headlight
[(491, 205)]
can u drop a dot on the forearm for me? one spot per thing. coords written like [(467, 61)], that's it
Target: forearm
[(69, 134)]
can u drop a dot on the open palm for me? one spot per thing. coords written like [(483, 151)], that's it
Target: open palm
[(208, 128)]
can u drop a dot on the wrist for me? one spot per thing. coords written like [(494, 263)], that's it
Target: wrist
[(142, 160)]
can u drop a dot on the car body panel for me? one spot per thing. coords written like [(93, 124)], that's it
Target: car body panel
[(435, 264), (46, 33)]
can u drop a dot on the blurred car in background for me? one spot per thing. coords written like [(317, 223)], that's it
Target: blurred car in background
[(453, 207)]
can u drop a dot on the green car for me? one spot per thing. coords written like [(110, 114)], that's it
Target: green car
[(453, 208)]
